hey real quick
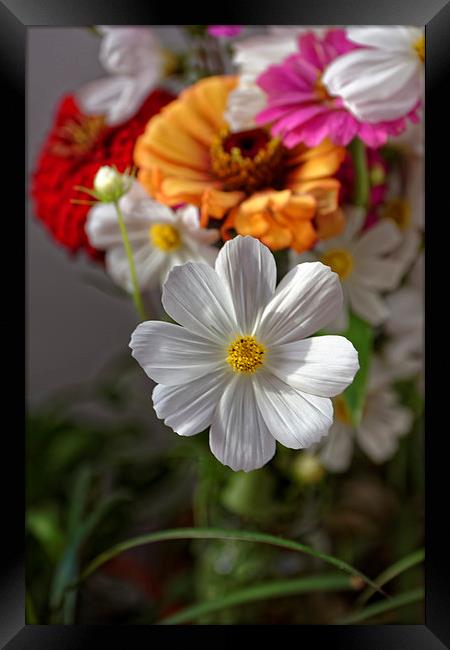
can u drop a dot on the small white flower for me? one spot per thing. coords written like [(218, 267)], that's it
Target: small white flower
[(361, 263), (384, 79), (159, 236), (135, 62), (110, 185), (384, 421), (241, 361)]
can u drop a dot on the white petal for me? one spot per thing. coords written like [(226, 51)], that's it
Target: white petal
[(390, 39), (239, 437), (194, 296), (368, 305), (307, 299), (248, 268), (294, 418), (323, 365), (171, 355), (148, 263), (382, 238), (382, 274), (336, 452), (189, 408), (103, 231)]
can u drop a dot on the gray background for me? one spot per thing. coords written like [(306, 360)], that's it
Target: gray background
[(73, 327)]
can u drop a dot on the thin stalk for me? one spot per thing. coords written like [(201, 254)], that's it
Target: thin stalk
[(362, 182), (137, 298)]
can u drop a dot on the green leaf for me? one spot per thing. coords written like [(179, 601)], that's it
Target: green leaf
[(407, 598), (360, 334), (411, 560), (264, 591), (217, 533), (362, 182)]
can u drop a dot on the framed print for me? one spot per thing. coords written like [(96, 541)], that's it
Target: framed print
[(228, 415)]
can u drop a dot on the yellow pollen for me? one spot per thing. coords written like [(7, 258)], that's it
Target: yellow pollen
[(399, 210), (340, 261), (241, 172), (419, 47), (77, 136), (165, 237), (245, 354), (341, 410)]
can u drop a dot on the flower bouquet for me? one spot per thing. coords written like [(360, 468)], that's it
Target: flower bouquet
[(257, 193)]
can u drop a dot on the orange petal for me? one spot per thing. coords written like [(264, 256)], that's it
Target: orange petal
[(325, 192), (330, 225), (216, 203), (304, 236)]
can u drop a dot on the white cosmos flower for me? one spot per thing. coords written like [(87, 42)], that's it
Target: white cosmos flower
[(360, 259), (160, 238), (134, 60), (384, 421), (241, 360), (384, 79)]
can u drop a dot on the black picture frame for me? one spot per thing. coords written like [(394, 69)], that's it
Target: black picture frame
[(16, 17)]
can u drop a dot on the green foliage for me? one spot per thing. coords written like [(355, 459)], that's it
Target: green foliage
[(360, 334)]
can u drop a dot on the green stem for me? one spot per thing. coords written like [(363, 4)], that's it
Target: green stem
[(362, 182), (407, 598), (137, 298), (215, 533), (264, 591)]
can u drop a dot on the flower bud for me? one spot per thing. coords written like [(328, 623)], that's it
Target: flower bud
[(308, 469), (110, 185)]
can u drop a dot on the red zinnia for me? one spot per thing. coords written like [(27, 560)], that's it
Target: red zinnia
[(75, 148)]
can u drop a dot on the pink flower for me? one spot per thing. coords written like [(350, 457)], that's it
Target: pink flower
[(300, 108), (224, 31)]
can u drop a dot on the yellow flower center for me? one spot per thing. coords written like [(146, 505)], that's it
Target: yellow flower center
[(419, 47), (341, 410), (245, 354), (399, 210), (165, 237), (340, 261), (248, 160), (77, 136)]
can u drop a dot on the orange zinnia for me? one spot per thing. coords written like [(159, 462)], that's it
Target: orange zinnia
[(285, 198)]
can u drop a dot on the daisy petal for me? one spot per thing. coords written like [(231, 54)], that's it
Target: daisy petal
[(368, 305), (336, 453), (171, 355), (239, 437), (307, 299), (379, 240), (194, 296), (323, 365), (294, 418), (249, 270), (189, 408)]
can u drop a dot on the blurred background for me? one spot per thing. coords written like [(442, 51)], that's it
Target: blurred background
[(102, 469)]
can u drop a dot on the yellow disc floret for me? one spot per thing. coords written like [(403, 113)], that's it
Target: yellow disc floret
[(419, 47), (341, 410), (165, 237), (245, 354), (399, 211), (340, 261)]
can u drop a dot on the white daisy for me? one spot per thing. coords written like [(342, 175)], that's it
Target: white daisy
[(384, 421), (361, 263), (159, 236), (384, 79), (241, 361), (135, 62)]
